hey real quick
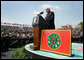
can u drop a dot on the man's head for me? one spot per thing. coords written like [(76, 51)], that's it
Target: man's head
[(47, 10)]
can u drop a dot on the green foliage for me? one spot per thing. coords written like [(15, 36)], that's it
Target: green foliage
[(81, 23), (19, 54)]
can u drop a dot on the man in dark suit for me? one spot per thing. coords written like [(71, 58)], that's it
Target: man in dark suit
[(50, 19)]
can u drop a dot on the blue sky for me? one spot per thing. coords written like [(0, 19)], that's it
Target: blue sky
[(66, 12)]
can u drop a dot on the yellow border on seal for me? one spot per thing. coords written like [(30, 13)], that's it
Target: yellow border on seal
[(57, 52)]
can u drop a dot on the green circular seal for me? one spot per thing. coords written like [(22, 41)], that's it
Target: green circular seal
[(54, 41)]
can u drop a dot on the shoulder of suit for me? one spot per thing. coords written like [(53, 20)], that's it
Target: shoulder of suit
[(52, 12)]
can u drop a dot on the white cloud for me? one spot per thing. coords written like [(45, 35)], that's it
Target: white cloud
[(36, 12), (75, 22), (46, 6), (57, 7), (49, 1), (79, 21), (50, 6)]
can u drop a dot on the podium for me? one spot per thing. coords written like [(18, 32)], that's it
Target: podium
[(39, 24)]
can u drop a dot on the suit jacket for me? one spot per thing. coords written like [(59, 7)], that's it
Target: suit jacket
[(50, 20)]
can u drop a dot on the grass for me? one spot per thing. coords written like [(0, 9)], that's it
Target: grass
[(18, 53)]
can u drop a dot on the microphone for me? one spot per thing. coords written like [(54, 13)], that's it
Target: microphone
[(41, 12)]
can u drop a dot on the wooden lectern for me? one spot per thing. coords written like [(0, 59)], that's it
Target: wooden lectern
[(38, 25)]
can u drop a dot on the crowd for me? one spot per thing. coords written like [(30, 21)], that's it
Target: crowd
[(10, 34), (16, 31), (13, 36), (76, 33)]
